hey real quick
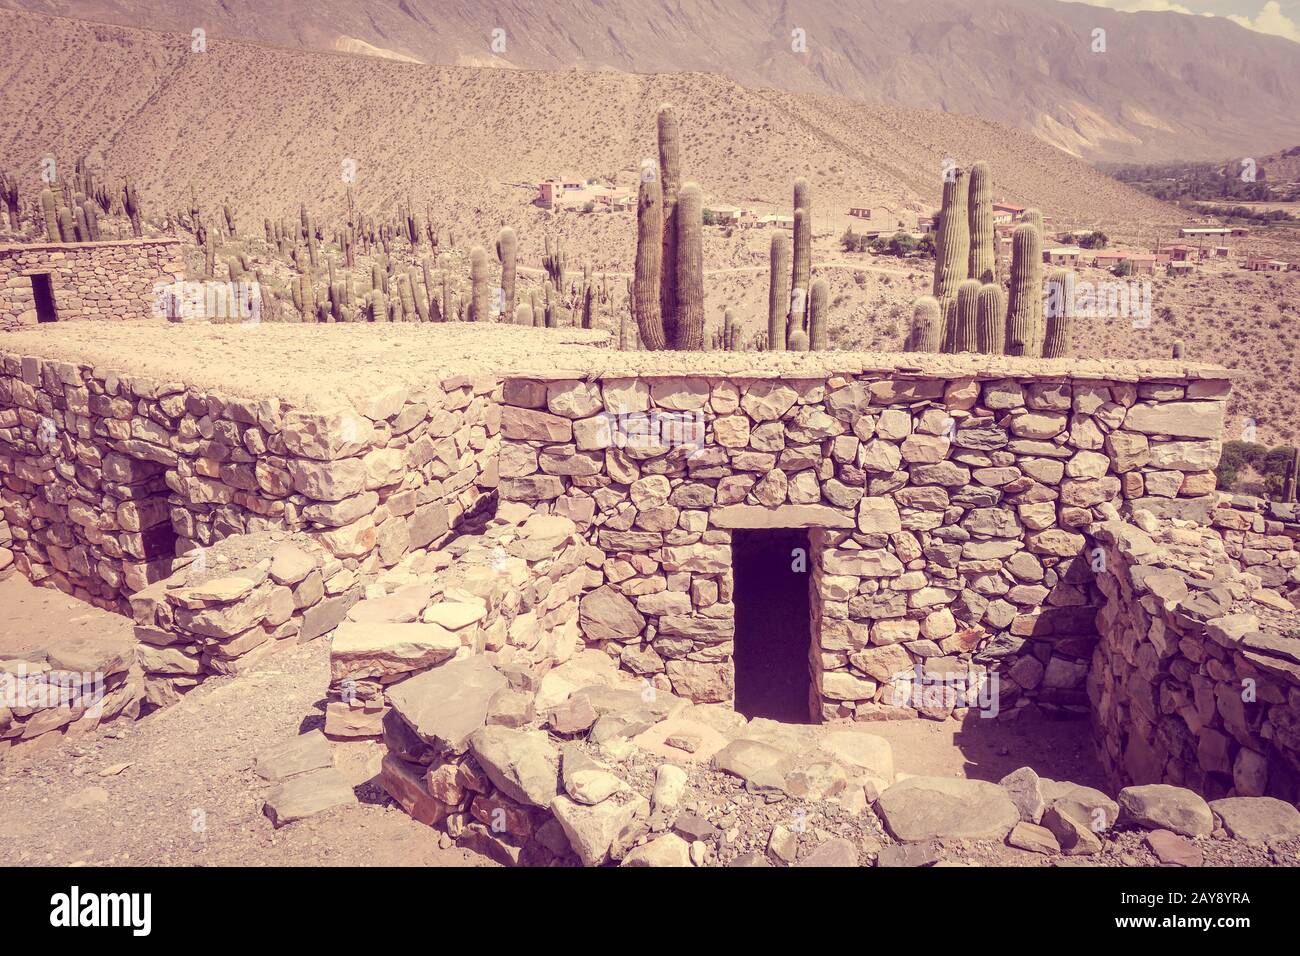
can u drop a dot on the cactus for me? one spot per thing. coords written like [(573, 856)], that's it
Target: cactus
[(983, 259), (728, 329), (647, 306), (818, 325), (991, 320), (952, 246), (507, 248), (230, 219), (1177, 349), (670, 177), (478, 276), (965, 334), (406, 296), (690, 268), (798, 341), (927, 325), (553, 261), (523, 314), (802, 269), (1058, 314), (50, 211), (778, 282), (9, 190), (92, 220), (1035, 218), (588, 297), (1025, 301), (1292, 474)]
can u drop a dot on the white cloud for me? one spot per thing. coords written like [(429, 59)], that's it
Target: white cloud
[(1272, 20)]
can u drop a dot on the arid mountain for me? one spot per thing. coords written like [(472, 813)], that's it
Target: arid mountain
[(268, 128), (1166, 87)]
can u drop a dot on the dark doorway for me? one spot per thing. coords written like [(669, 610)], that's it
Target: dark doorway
[(43, 290), (773, 630)]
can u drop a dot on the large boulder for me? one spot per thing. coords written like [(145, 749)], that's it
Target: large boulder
[(523, 764), (760, 765), (595, 832), (1258, 819), (667, 850), (927, 808), (1160, 806), (445, 705)]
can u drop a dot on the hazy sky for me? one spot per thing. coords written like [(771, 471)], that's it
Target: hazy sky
[(1279, 17)]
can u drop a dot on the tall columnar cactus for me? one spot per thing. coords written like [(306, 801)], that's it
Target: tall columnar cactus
[(50, 212), (1058, 313), (9, 190), (777, 298), (1025, 301), (966, 335), (507, 250), (670, 178), (801, 274), (983, 259), (647, 303), (229, 213), (478, 275), (927, 325), (690, 268), (819, 298), (952, 247), (991, 319), (1292, 476), (1177, 351)]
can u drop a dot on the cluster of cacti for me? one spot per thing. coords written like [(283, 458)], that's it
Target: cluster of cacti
[(668, 288), (967, 311), (797, 306), (553, 261)]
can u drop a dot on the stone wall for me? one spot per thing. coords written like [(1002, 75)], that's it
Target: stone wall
[(1196, 678), (949, 512), (91, 280), (104, 479)]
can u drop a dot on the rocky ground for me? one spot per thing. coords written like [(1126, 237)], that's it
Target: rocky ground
[(182, 787)]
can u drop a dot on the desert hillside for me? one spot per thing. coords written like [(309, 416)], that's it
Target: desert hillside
[(267, 128), (1167, 86)]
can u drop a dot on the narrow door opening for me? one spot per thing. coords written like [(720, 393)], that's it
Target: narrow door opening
[(43, 291), (773, 626)]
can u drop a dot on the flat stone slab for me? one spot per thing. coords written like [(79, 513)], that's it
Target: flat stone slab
[(754, 762), (374, 649), (306, 795), (523, 764), (1258, 819), (302, 754), (780, 516), (443, 706), (928, 808)]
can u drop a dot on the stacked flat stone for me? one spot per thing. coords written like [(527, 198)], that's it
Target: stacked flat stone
[(222, 615), (106, 281), (107, 478), (948, 516), (1195, 680), (510, 592)]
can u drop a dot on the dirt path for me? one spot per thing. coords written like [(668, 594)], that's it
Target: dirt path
[(189, 795)]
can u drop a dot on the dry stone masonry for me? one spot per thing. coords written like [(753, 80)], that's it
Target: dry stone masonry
[(106, 478), (948, 514), (115, 280), (1196, 678)]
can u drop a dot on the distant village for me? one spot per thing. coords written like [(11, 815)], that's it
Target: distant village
[(1076, 249)]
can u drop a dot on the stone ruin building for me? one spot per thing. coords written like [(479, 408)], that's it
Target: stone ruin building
[(812, 539)]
